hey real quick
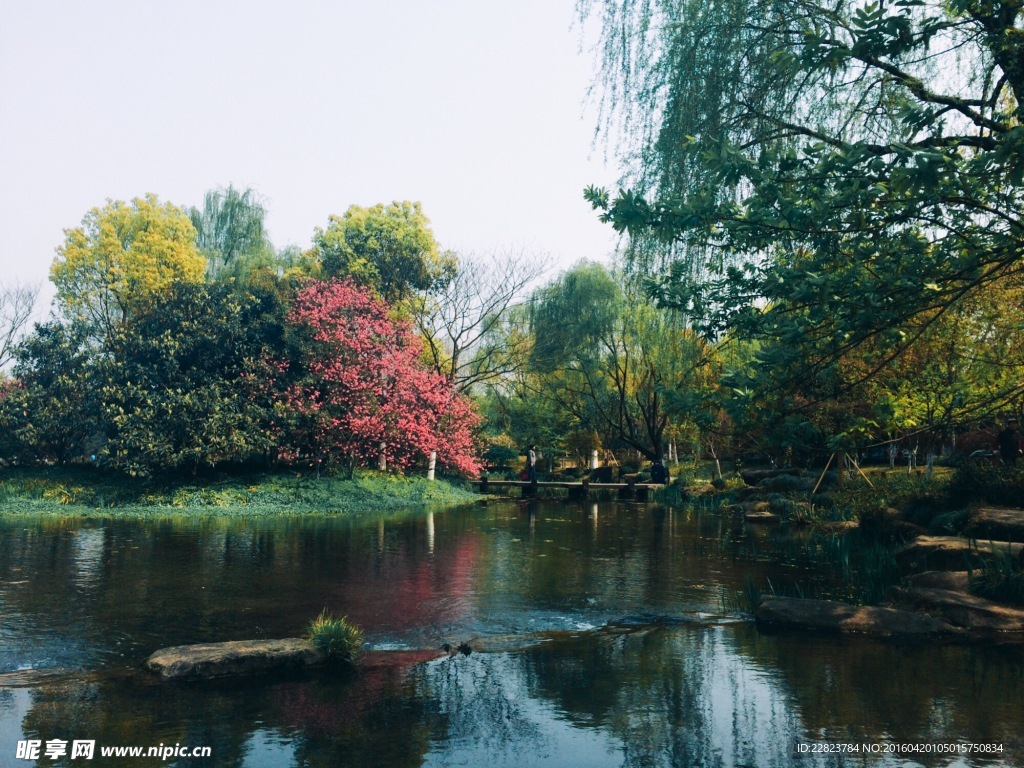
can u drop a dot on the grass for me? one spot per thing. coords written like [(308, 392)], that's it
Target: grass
[(340, 638), (87, 492), (1001, 580)]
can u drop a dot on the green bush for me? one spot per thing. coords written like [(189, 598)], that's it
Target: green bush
[(977, 481), (340, 638), (499, 456)]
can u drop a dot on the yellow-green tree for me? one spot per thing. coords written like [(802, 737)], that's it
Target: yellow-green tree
[(389, 248), (121, 258)]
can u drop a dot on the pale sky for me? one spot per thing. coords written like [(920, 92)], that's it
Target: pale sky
[(477, 109)]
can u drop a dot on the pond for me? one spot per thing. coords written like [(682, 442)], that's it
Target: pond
[(628, 647)]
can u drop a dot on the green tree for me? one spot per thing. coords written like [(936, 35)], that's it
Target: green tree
[(389, 248), (122, 257), (185, 386), (826, 177), (230, 232), (618, 364), (50, 410)]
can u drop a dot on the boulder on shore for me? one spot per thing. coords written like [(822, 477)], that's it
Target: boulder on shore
[(755, 476), (239, 657), (832, 616), (998, 523), (961, 609), (950, 553)]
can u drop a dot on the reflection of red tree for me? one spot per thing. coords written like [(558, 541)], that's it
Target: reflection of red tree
[(402, 591), (315, 708)]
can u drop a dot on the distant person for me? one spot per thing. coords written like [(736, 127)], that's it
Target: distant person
[(659, 472), (1009, 444), (531, 464)]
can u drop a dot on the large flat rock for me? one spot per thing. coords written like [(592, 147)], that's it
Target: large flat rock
[(240, 657), (831, 616), (950, 553), (961, 609), (997, 523)]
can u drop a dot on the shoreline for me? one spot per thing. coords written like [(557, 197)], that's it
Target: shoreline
[(88, 493)]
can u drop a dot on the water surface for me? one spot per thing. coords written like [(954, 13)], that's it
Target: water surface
[(645, 660)]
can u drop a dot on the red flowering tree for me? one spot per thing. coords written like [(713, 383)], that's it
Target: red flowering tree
[(355, 381)]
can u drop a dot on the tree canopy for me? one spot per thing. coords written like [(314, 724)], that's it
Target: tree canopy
[(389, 248), (122, 257), (230, 230), (618, 365), (826, 177), (357, 382)]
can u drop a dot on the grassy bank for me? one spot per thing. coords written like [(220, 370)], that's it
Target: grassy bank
[(89, 493)]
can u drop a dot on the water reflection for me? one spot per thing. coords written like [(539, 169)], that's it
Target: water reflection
[(83, 603)]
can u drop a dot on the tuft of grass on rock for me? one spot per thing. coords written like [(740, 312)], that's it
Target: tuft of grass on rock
[(339, 638)]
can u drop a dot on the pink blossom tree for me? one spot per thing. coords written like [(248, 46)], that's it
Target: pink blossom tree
[(356, 381)]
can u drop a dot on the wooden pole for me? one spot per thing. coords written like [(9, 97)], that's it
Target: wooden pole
[(827, 465), (854, 462)]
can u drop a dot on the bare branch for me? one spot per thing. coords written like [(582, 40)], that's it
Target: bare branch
[(17, 303)]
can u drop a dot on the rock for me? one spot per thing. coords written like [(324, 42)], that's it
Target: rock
[(788, 483), (997, 523), (832, 616), (752, 511), (755, 476), (240, 657), (955, 581), (949, 553), (960, 609)]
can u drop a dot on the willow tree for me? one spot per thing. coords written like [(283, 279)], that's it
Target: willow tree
[(230, 231), (829, 177), (619, 365)]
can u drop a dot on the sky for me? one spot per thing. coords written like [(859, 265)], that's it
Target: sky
[(476, 109)]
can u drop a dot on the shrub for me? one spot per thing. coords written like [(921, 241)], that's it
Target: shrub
[(988, 482), (498, 456), (1002, 579), (338, 637)]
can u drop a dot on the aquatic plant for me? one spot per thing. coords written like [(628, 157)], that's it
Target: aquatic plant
[(751, 595), (1001, 579), (340, 638)]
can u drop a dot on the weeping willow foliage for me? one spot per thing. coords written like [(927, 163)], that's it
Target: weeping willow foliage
[(825, 176), (230, 230)]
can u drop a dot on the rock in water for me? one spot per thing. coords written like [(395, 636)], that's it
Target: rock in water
[(239, 657)]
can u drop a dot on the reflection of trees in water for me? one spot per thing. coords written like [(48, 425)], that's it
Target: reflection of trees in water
[(673, 697), (358, 720), (656, 697), (863, 690), (123, 713), (483, 699)]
